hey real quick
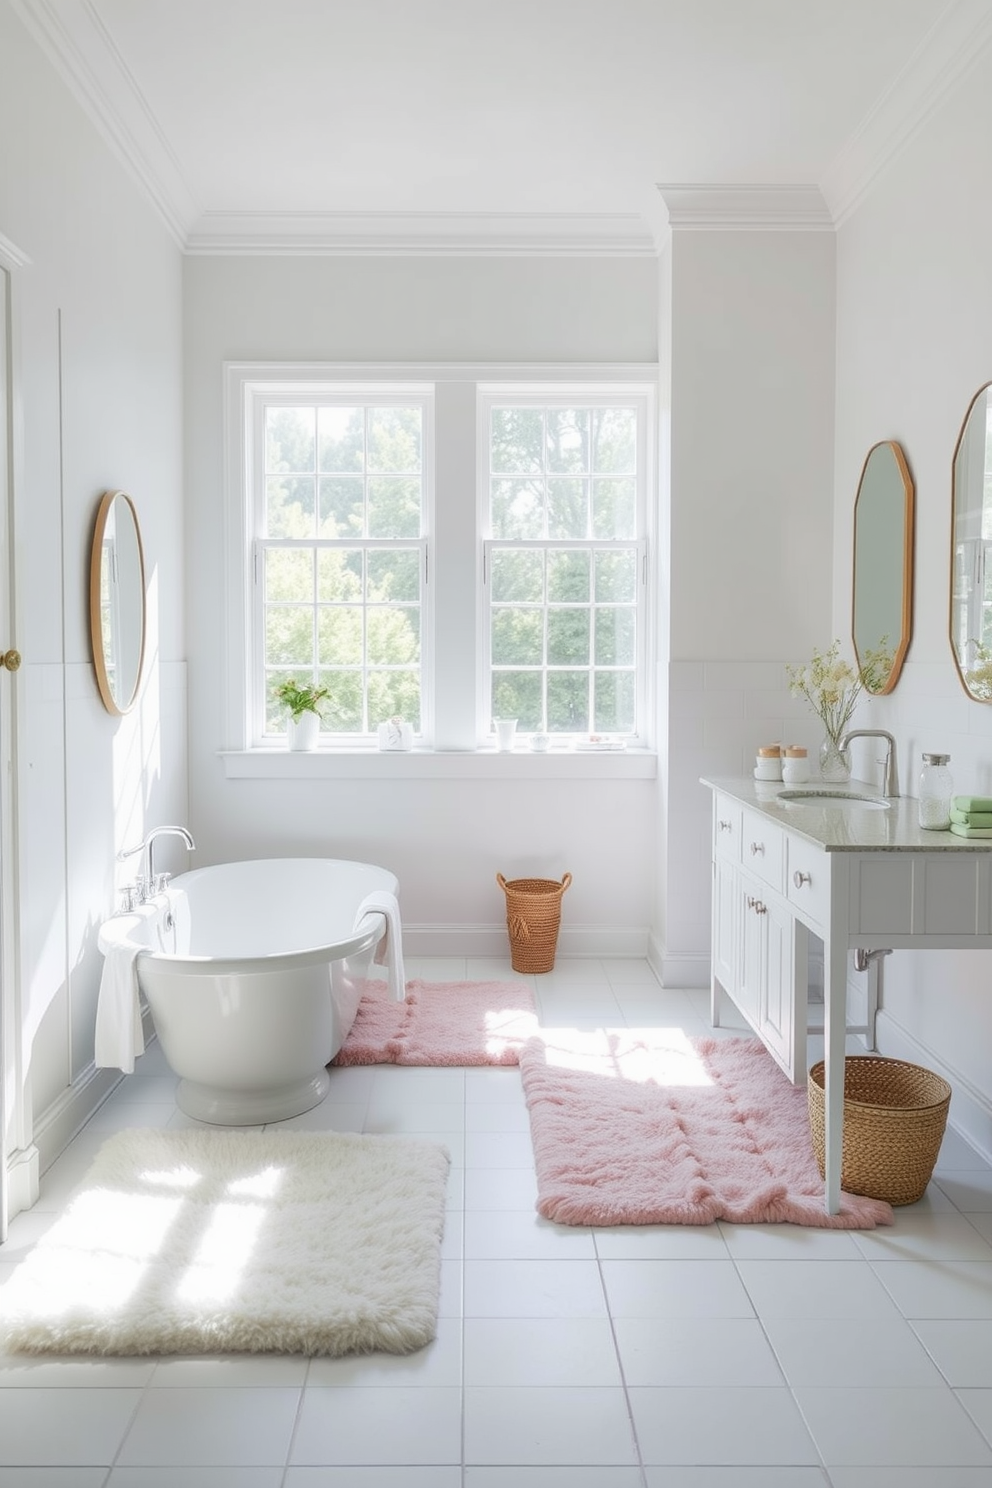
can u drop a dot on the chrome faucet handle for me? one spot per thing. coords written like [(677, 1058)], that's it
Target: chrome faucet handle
[(129, 898), (161, 882)]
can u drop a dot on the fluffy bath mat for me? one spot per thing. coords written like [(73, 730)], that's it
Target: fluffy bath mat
[(649, 1126), (231, 1241), (441, 1023)]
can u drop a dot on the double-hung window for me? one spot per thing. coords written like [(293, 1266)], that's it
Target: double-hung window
[(342, 479), (339, 498), (565, 561)]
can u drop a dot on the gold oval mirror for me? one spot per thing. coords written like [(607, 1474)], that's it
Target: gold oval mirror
[(971, 543), (882, 608), (117, 602)]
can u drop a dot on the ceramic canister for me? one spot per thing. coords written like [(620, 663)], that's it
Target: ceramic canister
[(795, 765), (768, 765)]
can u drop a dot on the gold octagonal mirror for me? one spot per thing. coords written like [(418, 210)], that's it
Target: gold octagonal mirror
[(117, 602), (971, 545), (882, 607)]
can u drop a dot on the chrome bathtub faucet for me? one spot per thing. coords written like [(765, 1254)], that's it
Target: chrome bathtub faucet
[(148, 882)]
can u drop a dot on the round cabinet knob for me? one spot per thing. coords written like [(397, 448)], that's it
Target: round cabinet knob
[(800, 878), (11, 660), (760, 908)]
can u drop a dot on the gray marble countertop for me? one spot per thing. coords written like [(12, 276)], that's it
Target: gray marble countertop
[(839, 827)]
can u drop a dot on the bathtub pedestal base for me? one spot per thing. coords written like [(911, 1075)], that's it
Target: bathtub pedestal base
[(251, 1107)]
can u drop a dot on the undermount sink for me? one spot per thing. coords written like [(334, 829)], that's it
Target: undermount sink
[(828, 797)]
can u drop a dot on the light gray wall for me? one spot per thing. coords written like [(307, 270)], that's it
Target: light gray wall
[(749, 529), (97, 348), (914, 304), (445, 839)]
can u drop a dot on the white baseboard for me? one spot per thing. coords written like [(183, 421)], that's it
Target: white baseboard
[(691, 969), (55, 1128), (23, 1179), (970, 1114), (610, 942), (67, 1115)]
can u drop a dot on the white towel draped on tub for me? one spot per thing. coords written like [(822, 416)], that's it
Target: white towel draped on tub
[(389, 951), (119, 1035)]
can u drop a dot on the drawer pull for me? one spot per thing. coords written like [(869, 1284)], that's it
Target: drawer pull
[(756, 848), (751, 901), (724, 826), (760, 908), (800, 878)]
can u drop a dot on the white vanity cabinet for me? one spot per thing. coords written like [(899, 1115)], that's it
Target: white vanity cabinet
[(759, 945), (854, 874)]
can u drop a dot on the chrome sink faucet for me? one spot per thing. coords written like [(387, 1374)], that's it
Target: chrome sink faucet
[(890, 786), (149, 882)]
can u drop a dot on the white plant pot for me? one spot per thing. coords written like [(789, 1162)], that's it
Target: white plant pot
[(304, 733)]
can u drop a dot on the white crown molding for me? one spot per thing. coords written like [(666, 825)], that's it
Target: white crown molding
[(951, 48), (705, 208), (554, 234), (79, 47)]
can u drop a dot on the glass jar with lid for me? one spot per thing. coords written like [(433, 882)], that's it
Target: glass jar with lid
[(936, 789)]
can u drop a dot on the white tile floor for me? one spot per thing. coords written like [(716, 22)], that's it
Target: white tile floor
[(657, 1357)]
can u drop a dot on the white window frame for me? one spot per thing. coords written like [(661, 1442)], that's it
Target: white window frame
[(253, 396), (456, 741), (571, 394)]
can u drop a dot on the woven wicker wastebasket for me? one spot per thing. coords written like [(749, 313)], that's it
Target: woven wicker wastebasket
[(894, 1119), (533, 916)]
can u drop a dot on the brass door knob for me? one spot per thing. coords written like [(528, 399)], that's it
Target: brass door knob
[(11, 660)]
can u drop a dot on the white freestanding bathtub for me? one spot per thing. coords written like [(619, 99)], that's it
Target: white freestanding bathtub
[(253, 973)]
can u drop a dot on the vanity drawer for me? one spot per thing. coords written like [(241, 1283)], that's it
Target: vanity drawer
[(763, 849), (726, 828), (807, 879)]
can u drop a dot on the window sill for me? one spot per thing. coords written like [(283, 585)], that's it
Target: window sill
[(427, 764)]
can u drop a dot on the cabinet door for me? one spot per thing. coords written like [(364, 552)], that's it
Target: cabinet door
[(726, 956), (777, 990), (753, 914)]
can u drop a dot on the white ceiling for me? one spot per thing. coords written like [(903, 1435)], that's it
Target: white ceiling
[(317, 125)]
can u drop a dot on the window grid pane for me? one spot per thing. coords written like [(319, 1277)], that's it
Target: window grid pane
[(562, 472), (342, 560), (564, 627), (562, 661)]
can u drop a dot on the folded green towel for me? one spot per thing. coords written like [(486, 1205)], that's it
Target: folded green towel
[(972, 803), (971, 818), (962, 831)]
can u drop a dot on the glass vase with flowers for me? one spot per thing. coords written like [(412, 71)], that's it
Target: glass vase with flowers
[(832, 687)]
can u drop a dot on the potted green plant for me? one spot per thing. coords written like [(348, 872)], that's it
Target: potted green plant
[(303, 705)]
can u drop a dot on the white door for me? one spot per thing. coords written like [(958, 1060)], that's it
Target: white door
[(9, 1034)]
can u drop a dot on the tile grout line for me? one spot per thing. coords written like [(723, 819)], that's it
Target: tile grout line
[(619, 1358)]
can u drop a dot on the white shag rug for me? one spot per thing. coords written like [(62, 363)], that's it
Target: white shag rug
[(180, 1242)]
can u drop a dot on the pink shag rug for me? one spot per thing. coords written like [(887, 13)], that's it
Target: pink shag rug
[(441, 1023), (650, 1126)]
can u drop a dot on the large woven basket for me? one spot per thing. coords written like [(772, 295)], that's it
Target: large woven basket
[(894, 1119), (533, 915)]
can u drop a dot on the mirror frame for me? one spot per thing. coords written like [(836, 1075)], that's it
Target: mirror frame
[(908, 545), (985, 388), (113, 704)]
